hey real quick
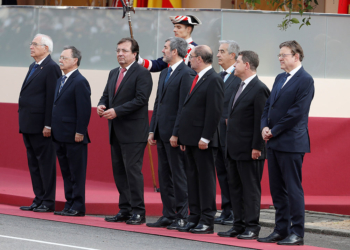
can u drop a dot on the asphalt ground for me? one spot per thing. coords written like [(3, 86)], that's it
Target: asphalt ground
[(27, 233)]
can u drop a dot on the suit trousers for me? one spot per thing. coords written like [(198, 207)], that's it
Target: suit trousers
[(127, 161), (172, 180), (42, 167), (221, 165), (287, 193), (201, 182), (245, 189), (73, 162)]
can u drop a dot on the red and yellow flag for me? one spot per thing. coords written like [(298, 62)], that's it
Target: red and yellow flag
[(164, 4), (343, 7)]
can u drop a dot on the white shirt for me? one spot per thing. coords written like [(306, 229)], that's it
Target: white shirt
[(229, 72), (69, 74), (127, 68), (174, 66), (41, 61), (292, 73), (200, 74), (247, 81)]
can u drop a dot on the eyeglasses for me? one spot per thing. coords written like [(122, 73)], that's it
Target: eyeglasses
[(36, 44), (122, 50), (283, 55), (190, 57), (64, 58)]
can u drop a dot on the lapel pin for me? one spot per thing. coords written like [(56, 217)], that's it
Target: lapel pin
[(41, 68)]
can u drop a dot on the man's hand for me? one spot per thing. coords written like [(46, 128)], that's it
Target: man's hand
[(46, 132), (173, 141), (79, 137), (202, 145), (266, 134), (151, 140), (182, 147), (256, 154), (109, 114), (100, 110)]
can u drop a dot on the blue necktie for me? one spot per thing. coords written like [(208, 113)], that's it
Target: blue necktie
[(167, 76), (280, 84), (62, 83), (223, 74), (32, 71)]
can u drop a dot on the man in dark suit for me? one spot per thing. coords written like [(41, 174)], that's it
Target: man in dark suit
[(125, 104), (227, 55), (198, 136), (173, 87), (245, 150), (284, 125), (70, 119), (35, 109)]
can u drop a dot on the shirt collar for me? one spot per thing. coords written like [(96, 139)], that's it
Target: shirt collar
[(248, 80), (189, 40), (128, 67), (230, 69), (41, 61), (200, 74), (175, 65), (292, 72), (70, 73)]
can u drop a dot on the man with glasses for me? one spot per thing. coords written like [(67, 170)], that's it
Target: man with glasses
[(35, 109), (70, 119), (124, 104), (284, 125)]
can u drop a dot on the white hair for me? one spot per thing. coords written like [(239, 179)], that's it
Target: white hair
[(233, 47), (46, 40)]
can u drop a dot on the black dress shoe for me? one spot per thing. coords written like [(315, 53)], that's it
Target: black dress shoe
[(231, 233), (292, 239), (161, 222), (272, 238), (120, 217), (42, 208), (229, 220), (72, 212), (223, 216), (61, 212), (177, 224), (202, 229), (248, 235), (136, 219), (187, 227), (30, 208)]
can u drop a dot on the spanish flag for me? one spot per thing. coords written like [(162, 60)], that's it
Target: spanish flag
[(164, 4), (344, 7)]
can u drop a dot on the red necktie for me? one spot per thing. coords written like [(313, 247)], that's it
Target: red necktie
[(194, 83), (120, 78)]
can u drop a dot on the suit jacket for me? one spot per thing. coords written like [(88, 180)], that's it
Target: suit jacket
[(243, 125), (229, 86), (169, 101), (71, 109), (36, 97), (202, 110), (287, 114), (130, 103)]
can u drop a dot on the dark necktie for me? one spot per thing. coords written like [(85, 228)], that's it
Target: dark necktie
[(32, 71), (239, 92), (194, 83), (280, 84), (223, 74), (167, 76), (63, 80), (120, 78)]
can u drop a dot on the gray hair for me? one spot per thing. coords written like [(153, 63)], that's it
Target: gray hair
[(75, 53), (233, 47), (179, 44), (205, 53), (46, 40)]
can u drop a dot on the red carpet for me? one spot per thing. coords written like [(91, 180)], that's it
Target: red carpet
[(99, 222)]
